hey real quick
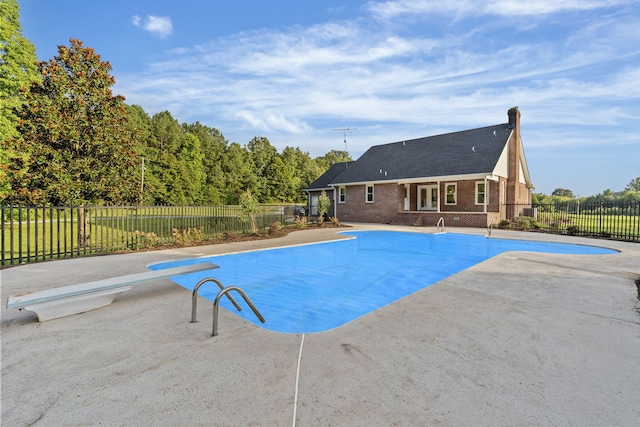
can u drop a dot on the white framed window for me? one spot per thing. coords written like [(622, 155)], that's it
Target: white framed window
[(451, 193), (481, 193), (369, 193), (342, 194)]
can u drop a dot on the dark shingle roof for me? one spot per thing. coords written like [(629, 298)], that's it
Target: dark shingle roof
[(474, 151), (327, 177)]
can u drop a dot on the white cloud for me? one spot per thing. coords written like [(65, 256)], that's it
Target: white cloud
[(390, 9), (574, 83), (158, 25)]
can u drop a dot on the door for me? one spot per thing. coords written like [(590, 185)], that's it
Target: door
[(428, 197), (406, 197)]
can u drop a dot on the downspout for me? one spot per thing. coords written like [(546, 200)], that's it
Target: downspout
[(335, 203)]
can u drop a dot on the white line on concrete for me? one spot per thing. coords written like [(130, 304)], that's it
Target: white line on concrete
[(295, 396)]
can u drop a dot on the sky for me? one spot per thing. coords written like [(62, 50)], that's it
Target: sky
[(299, 72)]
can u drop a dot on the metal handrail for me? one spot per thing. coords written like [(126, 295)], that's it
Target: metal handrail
[(490, 227), (194, 296), (440, 227), (216, 303)]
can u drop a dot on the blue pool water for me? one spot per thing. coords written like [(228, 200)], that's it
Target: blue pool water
[(317, 287)]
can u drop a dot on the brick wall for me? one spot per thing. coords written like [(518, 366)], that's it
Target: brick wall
[(387, 201), (388, 205)]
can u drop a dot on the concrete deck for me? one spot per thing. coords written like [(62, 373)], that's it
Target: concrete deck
[(520, 339)]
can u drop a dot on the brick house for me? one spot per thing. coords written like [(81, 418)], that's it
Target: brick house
[(470, 178)]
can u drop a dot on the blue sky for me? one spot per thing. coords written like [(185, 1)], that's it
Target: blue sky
[(293, 71)]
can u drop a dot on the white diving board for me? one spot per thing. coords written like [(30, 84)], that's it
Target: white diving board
[(74, 299)]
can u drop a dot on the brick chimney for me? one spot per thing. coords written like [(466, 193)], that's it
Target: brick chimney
[(514, 158), (514, 118)]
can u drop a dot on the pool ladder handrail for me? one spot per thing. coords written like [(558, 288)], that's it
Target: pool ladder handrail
[(489, 228), (216, 303), (194, 296), (440, 225)]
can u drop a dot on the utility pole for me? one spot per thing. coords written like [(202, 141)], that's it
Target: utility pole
[(142, 181)]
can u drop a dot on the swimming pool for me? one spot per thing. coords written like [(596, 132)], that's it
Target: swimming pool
[(317, 287)]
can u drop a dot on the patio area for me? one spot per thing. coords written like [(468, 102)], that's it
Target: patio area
[(520, 339)]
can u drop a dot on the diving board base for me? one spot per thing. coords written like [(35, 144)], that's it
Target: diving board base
[(73, 299), (53, 309)]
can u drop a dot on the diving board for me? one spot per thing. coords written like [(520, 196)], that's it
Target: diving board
[(74, 299)]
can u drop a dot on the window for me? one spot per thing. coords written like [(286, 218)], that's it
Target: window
[(342, 194), (452, 194), (369, 194), (481, 193)]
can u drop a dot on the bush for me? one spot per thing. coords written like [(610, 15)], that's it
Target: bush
[(188, 236), (274, 228), (527, 223), (505, 224), (146, 240), (301, 222), (335, 221), (573, 230)]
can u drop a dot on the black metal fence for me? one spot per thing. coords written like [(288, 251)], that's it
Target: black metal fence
[(618, 221), (35, 233)]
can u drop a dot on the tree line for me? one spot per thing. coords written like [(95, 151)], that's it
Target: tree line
[(66, 139), (630, 194)]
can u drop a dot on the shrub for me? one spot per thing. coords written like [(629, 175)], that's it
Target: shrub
[(504, 224), (188, 236), (301, 222), (249, 209), (274, 228), (324, 203), (573, 230), (335, 221), (527, 223), (146, 240)]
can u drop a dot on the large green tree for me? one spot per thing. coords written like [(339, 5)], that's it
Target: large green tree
[(262, 154), (238, 172), (633, 185), (18, 69), (213, 146), (75, 143), (332, 157)]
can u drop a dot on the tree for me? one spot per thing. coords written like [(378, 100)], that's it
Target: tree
[(332, 157), (563, 192), (634, 185), (162, 150), (77, 147), (305, 172), (249, 209), (213, 146), (139, 124), (261, 153), (193, 176), (323, 205), (238, 173), (18, 69)]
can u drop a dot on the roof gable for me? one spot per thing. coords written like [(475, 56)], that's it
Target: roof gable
[(324, 181), (468, 152)]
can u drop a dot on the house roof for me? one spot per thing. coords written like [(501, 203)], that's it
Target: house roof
[(468, 152), (326, 178)]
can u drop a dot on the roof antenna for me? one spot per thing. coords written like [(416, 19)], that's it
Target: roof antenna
[(344, 133)]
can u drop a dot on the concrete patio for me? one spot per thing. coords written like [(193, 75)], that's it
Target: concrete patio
[(520, 339)]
